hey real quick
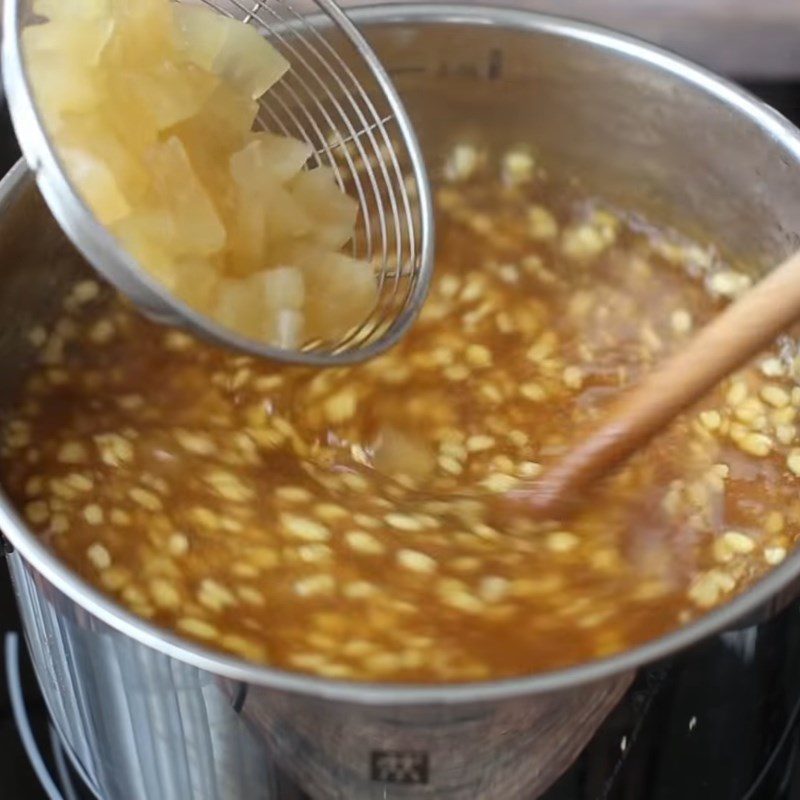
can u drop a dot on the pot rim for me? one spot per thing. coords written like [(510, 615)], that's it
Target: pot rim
[(48, 565)]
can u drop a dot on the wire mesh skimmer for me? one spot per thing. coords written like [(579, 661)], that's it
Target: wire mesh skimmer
[(337, 97)]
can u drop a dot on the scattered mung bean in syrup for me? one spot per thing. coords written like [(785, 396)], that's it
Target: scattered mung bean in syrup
[(350, 522)]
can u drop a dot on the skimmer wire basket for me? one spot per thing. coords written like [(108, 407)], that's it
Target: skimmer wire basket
[(337, 97)]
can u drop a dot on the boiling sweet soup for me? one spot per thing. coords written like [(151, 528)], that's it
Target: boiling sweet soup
[(352, 522)]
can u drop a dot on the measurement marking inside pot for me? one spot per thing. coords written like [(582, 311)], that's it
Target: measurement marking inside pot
[(495, 64), (491, 70), (413, 69)]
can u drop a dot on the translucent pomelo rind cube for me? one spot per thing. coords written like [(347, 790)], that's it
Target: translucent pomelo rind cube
[(284, 287), (285, 329), (86, 134), (97, 183), (341, 292), (217, 130), (226, 47), (198, 228), (262, 222), (147, 234), (126, 113), (266, 306), (400, 453), (62, 87), (266, 158), (196, 282), (199, 34), (73, 10), (240, 308), (172, 92), (334, 213), (142, 33), (80, 42)]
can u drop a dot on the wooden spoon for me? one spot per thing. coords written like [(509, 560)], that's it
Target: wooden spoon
[(729, 341)]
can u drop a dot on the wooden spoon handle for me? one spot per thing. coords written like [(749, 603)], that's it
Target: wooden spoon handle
[(729, 341)]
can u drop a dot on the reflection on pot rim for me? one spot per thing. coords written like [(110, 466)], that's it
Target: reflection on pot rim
[(736, 100)]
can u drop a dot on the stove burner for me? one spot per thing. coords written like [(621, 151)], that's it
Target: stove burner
[(757, 788)]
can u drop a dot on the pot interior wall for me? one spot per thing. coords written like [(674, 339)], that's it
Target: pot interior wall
[(39, 264), (645, 138)]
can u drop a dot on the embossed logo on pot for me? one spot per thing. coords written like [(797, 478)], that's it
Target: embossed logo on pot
[(399, 766)]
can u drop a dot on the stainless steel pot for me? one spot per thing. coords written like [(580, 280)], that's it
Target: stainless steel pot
[(147, 716)]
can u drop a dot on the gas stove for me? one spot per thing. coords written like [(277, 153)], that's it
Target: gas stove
[(719, 722)]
